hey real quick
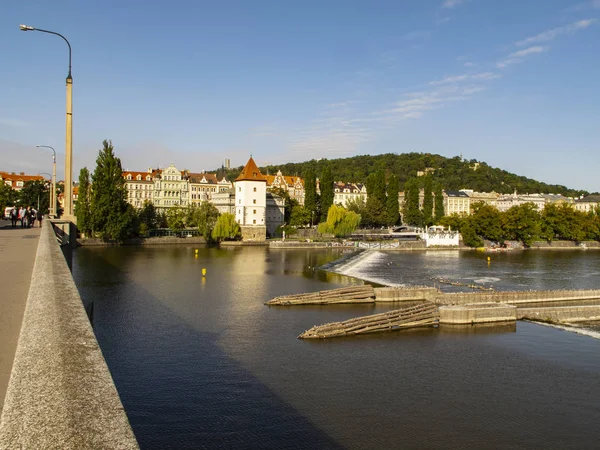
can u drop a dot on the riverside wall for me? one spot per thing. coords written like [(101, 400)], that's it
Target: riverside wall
[(61, 393), (517, 298)]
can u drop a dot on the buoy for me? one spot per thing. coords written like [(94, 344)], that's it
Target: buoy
[(489, 259), (203, 272), (196, 251)]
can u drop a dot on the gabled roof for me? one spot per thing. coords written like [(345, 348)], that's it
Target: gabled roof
[(592, 198), (290, 181), (20, 177), (142, 174), (250, 172)]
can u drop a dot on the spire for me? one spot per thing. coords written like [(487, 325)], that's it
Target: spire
[(250, 172)]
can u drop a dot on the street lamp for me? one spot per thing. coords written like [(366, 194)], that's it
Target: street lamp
[(69, 134), (53, 193)]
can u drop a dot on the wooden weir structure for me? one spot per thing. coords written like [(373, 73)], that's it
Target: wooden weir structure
[(352, 294), (424, 314)]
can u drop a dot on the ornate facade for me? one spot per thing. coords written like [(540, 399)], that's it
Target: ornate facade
[(293, 185)]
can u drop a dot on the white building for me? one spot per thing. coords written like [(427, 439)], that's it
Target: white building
[(293, 185), (251, 202), (139, 186), (346, 192), (202, 187), (588, 203), (505, 202), (170, 189)]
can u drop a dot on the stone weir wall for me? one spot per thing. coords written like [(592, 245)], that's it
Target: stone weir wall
[(61, 393), (517, 298)]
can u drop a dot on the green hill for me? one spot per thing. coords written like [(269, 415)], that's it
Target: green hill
[(453, 173)]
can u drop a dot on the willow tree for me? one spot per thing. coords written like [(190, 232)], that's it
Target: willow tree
[(226, 228), (340, 222)]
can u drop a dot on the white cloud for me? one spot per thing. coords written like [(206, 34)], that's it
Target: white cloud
[(452, 3), (469, 64), (465, 77), (553, 33), (528, 51), (517, 57)]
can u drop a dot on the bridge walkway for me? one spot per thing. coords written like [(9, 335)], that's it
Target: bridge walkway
[(18, 248)]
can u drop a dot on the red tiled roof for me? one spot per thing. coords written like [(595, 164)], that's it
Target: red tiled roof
[(290, 181), (250, 172), (20, 177)]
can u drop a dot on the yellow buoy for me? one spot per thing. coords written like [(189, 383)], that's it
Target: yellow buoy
[(196, 251), (489, 259), (203, 272)]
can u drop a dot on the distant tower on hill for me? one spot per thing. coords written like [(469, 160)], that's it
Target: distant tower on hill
[(227, 163), (251, 202)]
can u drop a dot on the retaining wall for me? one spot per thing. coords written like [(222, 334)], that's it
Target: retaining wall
[(392, 294), (482, 313), (61, 393), (563, 314), (516, 297)]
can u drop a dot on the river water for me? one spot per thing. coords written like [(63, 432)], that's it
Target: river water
[(200, 362)]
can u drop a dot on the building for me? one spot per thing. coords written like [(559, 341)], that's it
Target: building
[(588, 203), (251, 202), (170, 188), (17, 181), (456, 202), (224, 201), (505, 202), (140, 186), (348, 192), (489, 198), (275, 212), (202, 187), (293, 185)]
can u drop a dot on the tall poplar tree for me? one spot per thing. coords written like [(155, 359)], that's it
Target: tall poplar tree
[(310, 193), (326, 185), (112, 216), (82, 207), (392, 205), (412, 214), (439, 203), (428, 201)]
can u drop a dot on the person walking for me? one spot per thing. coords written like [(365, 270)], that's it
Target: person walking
[(21, 216), (32, 217), (14, 215), (39, 218)]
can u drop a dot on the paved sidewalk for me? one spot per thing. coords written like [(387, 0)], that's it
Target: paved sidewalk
[(18, 248)]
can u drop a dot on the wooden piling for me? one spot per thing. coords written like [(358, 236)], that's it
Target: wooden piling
[(351, 294)]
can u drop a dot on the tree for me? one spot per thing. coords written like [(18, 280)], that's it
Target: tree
[(112, 217), (487, 222), (300, 216), (82, 207), (226, 228), (8, 197), (392, 205), (176, 217), (206, 217), (327, 193), (148, 218), (438, 203), (310, 192), (36, 194), (522, 223), (376, 199), (411, 212), (340, 222), (428, 218)]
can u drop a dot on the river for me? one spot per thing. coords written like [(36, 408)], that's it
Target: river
[(200, 362)]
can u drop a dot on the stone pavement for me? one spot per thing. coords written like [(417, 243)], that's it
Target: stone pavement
[(18, 248)]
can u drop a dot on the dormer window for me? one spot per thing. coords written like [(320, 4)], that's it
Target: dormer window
[(139, 177), (129, 176)]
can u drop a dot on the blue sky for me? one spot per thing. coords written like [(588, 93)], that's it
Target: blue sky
[(510, 82)]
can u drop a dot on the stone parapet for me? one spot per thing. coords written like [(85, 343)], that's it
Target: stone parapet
[(61, 393)]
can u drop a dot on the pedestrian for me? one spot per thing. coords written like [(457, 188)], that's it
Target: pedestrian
[(32, 217), (14, 215), (22, 216), (39, 218)]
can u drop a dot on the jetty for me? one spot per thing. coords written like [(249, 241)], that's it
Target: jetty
[(421, 315)]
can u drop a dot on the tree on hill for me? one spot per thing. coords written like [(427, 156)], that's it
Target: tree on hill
[(226, 228), (326, 185), (392, 205), (340, 222), (112, 217), (83, 211)]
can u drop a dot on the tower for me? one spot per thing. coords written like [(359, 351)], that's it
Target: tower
[(251, 202)]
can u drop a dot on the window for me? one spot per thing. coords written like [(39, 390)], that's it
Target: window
[(254, 189), (240, 189), (253, 211), (254, 221), (254, 201)]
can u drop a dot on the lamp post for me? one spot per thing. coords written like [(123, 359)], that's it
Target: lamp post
[(53, 193), (50, 202), (69, 132)]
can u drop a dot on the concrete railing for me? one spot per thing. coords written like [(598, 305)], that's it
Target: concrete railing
[(61, 393)]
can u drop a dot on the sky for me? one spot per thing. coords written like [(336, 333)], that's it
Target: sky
[(513, 83)]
